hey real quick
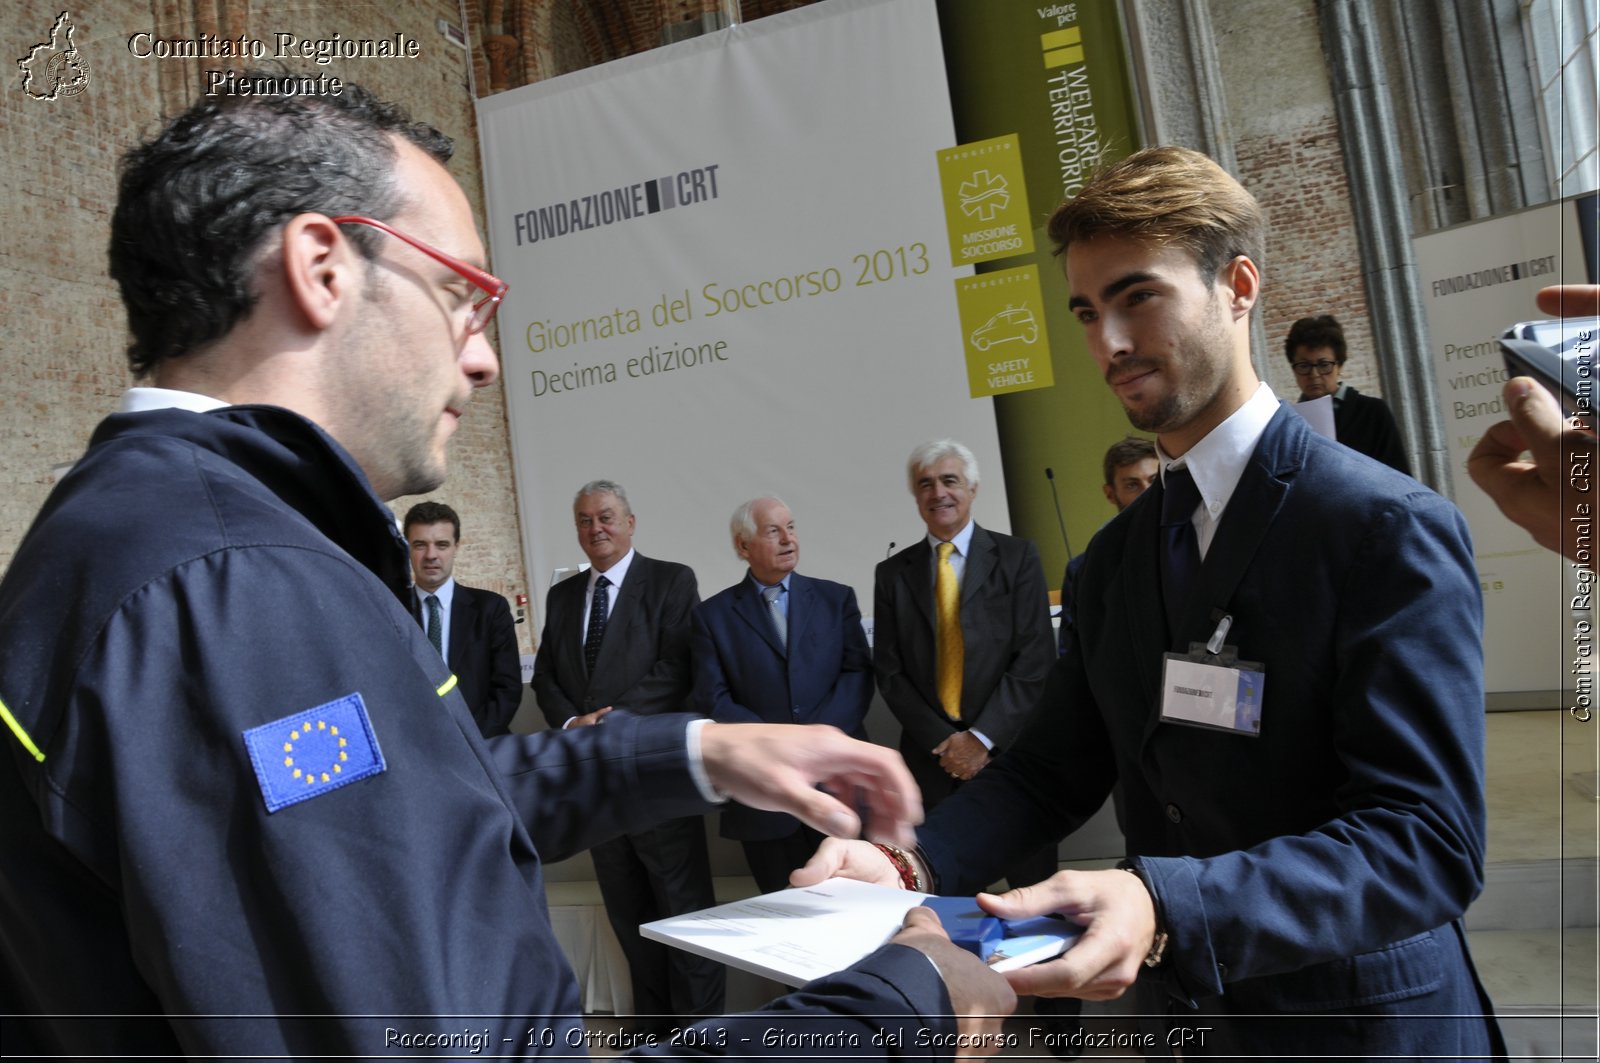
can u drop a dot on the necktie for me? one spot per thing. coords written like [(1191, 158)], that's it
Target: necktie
[(780, 622), (597, 623), (435, 623), (1180, 560), (952, 651)]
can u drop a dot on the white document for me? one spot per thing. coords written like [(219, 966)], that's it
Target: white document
[(1318, 413), (794, 935)]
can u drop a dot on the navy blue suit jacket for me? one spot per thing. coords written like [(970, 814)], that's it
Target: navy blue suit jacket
[(743, 674), (484, 657), (255, 582), (1324, 866)]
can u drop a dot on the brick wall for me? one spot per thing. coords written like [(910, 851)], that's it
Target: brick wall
[(60, 315), (1281, 113), (1313, 260), (61, 336)]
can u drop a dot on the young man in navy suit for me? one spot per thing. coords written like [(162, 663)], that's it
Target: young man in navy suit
[(476, 636), (778, 647), (1297, 869)]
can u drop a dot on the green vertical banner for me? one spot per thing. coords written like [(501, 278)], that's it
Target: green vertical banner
[(1041, 96)]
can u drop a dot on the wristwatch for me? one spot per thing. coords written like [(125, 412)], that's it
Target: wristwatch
[(1158, 945)]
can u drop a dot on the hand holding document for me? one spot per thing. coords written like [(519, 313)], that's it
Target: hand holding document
[(980, 999), (1113, 907), (1003, 944), (1118, 918), (796, 935), (842, 858)]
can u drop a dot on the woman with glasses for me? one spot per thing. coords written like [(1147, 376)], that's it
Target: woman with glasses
[(1316, 353)]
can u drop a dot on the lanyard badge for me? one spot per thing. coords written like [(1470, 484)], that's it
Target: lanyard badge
[(1210, 687)]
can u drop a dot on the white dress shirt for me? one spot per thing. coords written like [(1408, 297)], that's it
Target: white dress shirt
[(446, 595), (1217, 461), (142, 400), (615, 574)]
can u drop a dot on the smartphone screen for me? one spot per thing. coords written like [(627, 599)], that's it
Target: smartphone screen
[(1560, 354)]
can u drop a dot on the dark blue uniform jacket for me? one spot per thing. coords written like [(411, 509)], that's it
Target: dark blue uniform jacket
[(207, 621)]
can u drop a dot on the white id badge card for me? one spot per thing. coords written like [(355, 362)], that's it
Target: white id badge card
[(1211, 689)]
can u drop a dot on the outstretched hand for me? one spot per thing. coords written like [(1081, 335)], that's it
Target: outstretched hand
[(816, 773), (837, 858)]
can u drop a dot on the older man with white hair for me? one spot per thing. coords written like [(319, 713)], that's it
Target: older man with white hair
[(778, 647), (962, 635)]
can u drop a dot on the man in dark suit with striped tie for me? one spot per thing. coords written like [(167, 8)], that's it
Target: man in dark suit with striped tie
[(618, 641), (471, 628)]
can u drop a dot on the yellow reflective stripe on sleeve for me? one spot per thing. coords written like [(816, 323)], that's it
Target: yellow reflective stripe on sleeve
[(450, 684), (22, 736)]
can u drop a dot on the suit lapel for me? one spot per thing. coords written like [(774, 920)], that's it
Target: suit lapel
[(460, 627), (567, 615), (623, 610), (799, 611), (1255, 504), (750, 607), (1139, 588), (917, 579), (981, 559), (1140, 583)]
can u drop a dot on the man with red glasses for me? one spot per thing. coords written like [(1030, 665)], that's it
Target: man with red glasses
[(245, 809)]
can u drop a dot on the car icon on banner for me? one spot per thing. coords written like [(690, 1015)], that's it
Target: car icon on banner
[(1012, 323)]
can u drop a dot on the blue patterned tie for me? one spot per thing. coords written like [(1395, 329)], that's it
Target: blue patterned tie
[(780, 623), (435, 623), (1180, 560), (597, 623)]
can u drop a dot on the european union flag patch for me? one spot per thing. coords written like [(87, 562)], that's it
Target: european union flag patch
[(312, 752)]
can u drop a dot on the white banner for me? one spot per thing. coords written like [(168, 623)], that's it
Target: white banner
[(1477, 280), (729, 277)]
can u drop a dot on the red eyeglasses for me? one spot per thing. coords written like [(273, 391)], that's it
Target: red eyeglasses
[(493, 287)]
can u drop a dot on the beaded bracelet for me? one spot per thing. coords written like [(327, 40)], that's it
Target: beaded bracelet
[(910, 878)]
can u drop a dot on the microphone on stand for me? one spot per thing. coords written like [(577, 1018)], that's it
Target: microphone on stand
[(1050, 474)]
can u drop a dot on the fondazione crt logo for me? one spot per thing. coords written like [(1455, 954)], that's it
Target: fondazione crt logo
[(55, 68)]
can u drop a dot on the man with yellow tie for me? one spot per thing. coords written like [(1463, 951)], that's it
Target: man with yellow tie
[(962, 639)]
